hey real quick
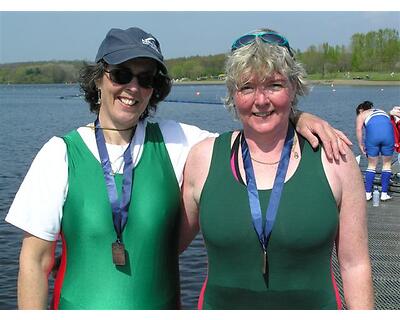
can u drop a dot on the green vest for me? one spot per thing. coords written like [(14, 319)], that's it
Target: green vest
[(88, 279), (299, 249)]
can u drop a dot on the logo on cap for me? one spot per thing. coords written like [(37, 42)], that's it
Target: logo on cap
[(152, 43)]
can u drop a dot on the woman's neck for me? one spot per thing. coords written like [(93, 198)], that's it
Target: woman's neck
[(116, 134), (118, 137), (266, 143)]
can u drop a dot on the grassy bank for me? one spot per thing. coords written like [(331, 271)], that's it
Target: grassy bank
[(370, 76), (356, 82), (338, 78)]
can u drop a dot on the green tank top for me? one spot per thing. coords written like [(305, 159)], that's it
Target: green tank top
[(88, 279), (300, 246)]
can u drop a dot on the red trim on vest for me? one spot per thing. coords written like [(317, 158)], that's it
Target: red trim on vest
[(201, 296), (233, 167), (335, 288), (60, 275)]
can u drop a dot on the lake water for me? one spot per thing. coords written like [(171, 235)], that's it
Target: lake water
[(32, 114)]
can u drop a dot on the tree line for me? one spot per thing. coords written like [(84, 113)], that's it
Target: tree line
[(41, 72), (375, 51)]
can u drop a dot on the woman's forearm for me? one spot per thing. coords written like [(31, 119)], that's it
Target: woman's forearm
[(357, 287), (36, 260), (32, 288)]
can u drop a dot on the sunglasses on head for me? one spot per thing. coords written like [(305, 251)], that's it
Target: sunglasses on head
[(125, 76), (267, 37)]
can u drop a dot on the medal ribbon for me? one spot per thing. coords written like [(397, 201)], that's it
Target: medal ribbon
[(254, 201), (119, 208)]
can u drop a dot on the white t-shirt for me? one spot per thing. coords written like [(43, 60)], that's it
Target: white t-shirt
[(38, 205)]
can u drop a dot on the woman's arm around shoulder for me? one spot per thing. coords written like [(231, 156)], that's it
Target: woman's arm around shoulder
[(195, 175), (347, 185), (313, 128)]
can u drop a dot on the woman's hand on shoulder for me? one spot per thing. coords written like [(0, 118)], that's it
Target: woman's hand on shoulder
[(314, 129)]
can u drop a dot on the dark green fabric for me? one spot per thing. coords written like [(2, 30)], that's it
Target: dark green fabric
[(150, 279), (300, 246)]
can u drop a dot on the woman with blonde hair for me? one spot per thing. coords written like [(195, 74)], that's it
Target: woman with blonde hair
[(269, 205)]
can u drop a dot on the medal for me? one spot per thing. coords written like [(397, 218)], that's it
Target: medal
[(265, 266), (264, 232), (120, 207), (118, 253)]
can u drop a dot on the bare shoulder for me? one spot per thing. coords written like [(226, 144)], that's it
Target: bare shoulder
[(199, 159), (196, 170), (201, 150), (361, 117), (343, 174)]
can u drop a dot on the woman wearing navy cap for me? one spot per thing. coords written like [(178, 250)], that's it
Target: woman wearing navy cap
[(111, 190)]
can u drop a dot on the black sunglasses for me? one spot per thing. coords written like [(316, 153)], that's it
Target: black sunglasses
[(125, 76)]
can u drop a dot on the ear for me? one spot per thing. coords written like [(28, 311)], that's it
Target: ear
[(98, 83)]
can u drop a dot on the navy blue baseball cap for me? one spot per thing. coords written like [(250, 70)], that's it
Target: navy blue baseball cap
[(122, 45)]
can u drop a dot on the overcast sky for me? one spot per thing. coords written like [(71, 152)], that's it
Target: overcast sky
[(39, 36)]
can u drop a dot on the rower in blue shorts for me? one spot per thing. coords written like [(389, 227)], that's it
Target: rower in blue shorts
[(378, 140)]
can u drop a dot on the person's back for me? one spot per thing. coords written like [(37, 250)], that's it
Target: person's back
[(378, 141)]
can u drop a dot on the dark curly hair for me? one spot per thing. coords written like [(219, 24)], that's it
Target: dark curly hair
[(91, 73), (366, 105)]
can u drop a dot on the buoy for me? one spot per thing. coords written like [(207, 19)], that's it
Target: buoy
[(197, 93)]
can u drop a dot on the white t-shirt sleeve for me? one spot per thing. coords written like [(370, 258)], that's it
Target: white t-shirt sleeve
[(38, 204), (179, 138)]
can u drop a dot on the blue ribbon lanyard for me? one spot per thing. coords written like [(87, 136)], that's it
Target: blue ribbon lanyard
[(255, 208), (119, 208)]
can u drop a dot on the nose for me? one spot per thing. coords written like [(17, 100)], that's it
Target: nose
[(261, 96), (133, 85)]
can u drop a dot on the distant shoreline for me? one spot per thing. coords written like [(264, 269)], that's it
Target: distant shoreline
[(356, 82), (330, 82), (346, 82)]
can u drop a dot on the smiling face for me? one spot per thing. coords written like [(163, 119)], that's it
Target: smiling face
[(122, 104), (263, 105)]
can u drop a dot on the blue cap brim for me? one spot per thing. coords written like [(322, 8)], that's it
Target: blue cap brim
[(123, 55)]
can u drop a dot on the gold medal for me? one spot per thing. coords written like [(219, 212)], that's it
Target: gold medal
[(118, 253)]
